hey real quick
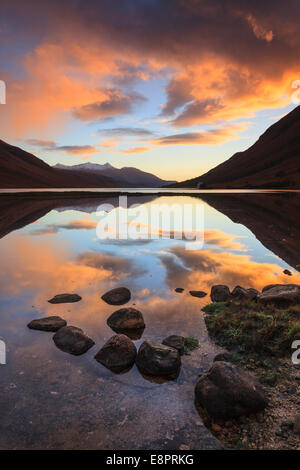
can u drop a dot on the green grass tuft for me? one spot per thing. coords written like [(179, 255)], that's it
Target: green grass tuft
[(190, 344), (254, 327)]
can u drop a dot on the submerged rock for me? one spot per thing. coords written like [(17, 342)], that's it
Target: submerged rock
[(158, 359), (240, 294), (47, 324), (280, 294), (72, 340), (220, 293), (126, 319), (225, 391), (64, 298), (176, 342), (118, 353), (179, 290), (224, 357), (117, 296), (198, 293)]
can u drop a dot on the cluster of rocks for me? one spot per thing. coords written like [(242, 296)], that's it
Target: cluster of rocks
[(278, 294), (224, 391), (119, 353)]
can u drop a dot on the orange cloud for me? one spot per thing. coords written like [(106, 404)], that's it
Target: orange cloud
[(211, 137), (136, 150)]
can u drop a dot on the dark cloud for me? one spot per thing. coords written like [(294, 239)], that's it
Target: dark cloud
[(115, 104), (126, 131), (50, 146)]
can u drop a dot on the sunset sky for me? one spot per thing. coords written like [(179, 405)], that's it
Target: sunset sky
[(173, 87)]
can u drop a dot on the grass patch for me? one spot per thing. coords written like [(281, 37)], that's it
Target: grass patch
[(190, 344), (254, 327)]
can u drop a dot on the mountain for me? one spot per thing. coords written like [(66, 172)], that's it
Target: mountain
[(272, 162), (20, 169), (127, 176)]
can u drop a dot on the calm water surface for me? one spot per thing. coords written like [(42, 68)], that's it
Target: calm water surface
[(50, 399)]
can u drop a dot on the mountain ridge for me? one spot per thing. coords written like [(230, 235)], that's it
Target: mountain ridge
[(271, 162)]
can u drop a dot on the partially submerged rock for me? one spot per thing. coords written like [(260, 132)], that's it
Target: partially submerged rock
[(72, 340), (226, 391), (179, 290), (117, 296), (118, 353), (64, 298), (158, 359), (53, 323), (224, 357), (287, 272), (280, 294), (220, 293), (243, 295), (126, 319), (176, 342), (198, 293)]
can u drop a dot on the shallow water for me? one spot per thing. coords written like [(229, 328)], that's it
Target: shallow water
[(50, 399)]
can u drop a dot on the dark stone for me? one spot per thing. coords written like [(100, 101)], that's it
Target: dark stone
[(126, 319), (287, 272), (280, 294), (117, 296), (47, 324), (198, 293), (226, 391), (220, 293), (64, 298), (72, 340), (175, 341), (118, 354), (243, 295), (179, 290), (224, 357), (158, 359), (253, 293)]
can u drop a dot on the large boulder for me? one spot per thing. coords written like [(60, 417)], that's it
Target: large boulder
[(158, 359), (225, 391), (118, 354), (280, 294), (198, 293), (72, 340), (243, 295), (176, 342), (47, 324), (64, 298), (219, 293), (126, 319), (117, 296)]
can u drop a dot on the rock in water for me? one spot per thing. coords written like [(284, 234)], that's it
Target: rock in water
[(224, 357), (72, 340), (176, 342), (226, 391), (198, 293), (243, 295), (280, 294), (219, 293), (64, 298), (47, 324), (118, 354), (117, 296), (158, 359), (287, 272), (179, 290), (126, 319)]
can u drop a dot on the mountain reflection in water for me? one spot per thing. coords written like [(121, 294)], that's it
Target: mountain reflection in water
[(49, 399)]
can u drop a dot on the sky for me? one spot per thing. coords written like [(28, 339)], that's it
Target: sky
[(173, 87)]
